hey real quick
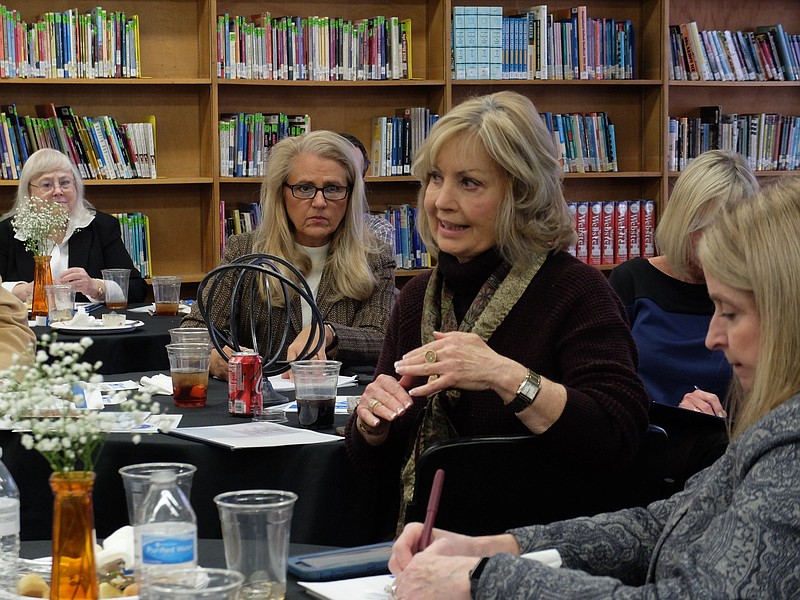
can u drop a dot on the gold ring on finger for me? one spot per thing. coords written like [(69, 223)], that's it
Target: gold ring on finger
[(372, 404), (430, 356)]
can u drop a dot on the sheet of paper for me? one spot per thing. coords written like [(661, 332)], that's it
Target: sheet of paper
[(286, 385), (359, 588), (253, 435)]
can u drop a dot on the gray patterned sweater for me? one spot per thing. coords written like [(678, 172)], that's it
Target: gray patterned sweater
[(734, 532)]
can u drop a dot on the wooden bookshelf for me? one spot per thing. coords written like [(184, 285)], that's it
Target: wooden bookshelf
[(180, 88)]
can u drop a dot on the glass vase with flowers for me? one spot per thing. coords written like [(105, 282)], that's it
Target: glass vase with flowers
[(46, 401), (41, 224)]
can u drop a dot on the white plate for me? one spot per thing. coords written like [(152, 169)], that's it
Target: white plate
[(97, 329)]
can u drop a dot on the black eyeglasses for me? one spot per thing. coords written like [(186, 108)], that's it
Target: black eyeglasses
[(306, 191)]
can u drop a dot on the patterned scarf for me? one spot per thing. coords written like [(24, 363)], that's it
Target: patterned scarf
[(498, 295)]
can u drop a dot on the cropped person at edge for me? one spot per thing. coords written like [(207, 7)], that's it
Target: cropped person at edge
[(93, 241), (508, 334), (312, 201), (733, 531), (666, 297)]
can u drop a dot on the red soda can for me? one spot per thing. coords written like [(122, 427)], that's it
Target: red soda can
[(244, 384)]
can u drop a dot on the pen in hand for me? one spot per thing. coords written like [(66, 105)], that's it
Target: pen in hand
[(433, 507)]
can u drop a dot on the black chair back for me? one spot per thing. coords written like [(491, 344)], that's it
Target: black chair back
[(495, 483)]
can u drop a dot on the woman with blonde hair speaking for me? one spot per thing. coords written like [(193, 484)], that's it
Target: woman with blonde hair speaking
[(509, 334)]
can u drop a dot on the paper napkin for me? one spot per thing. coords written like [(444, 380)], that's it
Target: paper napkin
[(157, 384)]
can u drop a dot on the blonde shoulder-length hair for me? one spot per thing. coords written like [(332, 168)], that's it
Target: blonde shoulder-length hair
[(711, 180), (533, 217), (351, 243), (754, 247)]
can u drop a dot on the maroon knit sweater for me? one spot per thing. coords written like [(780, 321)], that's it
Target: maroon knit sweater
[(568, 326)]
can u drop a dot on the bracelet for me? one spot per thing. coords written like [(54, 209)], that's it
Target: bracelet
[(365, 431), (101, 290), (332, 346)]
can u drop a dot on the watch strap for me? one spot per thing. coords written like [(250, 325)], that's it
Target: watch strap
[(531, 384), (475, 576)]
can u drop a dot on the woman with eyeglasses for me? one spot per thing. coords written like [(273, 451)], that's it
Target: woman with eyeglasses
[(91, 243), (312, 200)]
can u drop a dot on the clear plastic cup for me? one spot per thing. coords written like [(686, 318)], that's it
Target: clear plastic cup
[(136, 479)]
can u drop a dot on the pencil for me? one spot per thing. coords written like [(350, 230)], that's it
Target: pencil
[(433, 507)]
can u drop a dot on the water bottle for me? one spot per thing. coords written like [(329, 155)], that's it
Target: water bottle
[(165, 533), (9, 529)]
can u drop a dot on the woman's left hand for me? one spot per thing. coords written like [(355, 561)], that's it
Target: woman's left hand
[(457, 360), (80, 281), (430, 575)]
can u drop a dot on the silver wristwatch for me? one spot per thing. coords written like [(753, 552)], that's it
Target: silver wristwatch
[(526, 393)]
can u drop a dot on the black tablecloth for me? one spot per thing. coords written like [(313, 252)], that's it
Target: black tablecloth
[(334, 508), (210, 554), (142, 349)]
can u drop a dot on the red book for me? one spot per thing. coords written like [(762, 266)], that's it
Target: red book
[(609, 227), (634, 229), (582, 227), (595, 233), (621, 234), (648, 228)]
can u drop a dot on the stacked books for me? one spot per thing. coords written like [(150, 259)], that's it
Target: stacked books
[(769, 141), (585, 143), (395, 140), (609, 233), (409, 249), (313, 48), (69, 45), (767, 53), (100, 147), (245, 140), (537, 44), (135, 229)]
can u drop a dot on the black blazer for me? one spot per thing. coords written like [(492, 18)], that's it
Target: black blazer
[(95, 247)]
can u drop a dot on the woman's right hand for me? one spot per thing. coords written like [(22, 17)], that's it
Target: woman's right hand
[(382, 402), (705, 402)]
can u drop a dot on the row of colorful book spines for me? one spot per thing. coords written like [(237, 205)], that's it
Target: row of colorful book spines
[(240, 221), (612, 232), (769, 142), (410, 251), (394, 143), (514, 52), (313, 48), (135, 229), (245, 140), (766, 54), (69, 45), (124, 159), (585, 143)]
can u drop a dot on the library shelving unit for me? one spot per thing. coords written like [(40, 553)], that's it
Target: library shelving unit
[(782, 97), (181, 89)]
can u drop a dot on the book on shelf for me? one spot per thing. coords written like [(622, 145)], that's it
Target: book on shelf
[(396, 139), (135, 232), (245, 139), (263, 46), (410, 250), (611, 232), (99, 147), (69, 44)]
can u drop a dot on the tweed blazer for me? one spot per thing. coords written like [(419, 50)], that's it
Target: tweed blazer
[(359, 324), (734, 532)]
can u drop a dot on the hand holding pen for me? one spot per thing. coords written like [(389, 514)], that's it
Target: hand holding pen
[(702, 401)]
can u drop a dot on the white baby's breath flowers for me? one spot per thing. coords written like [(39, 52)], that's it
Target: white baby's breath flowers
[(39, 400), (41, 224)]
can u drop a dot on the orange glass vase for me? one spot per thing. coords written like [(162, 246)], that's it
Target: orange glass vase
[(41, 277), (74, 574)]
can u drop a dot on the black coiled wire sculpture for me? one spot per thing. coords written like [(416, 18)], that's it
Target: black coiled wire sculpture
[(246, 273)]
